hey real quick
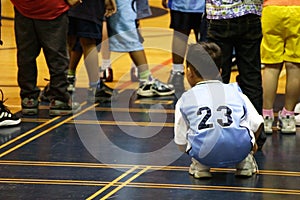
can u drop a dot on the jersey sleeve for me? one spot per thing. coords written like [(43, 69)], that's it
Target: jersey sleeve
[(180, 126)]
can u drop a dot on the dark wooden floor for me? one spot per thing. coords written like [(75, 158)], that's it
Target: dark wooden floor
[(124, 150)]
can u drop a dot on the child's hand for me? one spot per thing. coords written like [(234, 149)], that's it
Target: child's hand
[(110, 8), (164, 3), (74, 2)]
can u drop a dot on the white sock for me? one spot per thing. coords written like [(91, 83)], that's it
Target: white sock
[(178, 68), (105, 64)]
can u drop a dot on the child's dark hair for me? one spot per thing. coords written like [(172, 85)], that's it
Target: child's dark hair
[(205, 59)]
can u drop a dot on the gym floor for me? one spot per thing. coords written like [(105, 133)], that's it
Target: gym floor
[(124, 149)]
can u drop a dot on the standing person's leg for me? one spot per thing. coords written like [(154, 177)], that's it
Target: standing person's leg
[(270, 82), (106, 72), (28, 48), (292, 93), (124, 37), (248, 58), (249, 62), (56, 55), (219, 33), (91, 62)]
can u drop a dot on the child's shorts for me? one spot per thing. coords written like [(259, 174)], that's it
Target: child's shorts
[(122, 31), (84, 28), (185, 20), (281, 34)]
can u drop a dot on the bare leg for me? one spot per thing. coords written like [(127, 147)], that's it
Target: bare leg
[(140, 60), (292, 85), (270, 83), (179, 45), (90, 58)]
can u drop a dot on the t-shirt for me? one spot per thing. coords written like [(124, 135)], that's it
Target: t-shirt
[(228, 9), (41, 9), (194, 6), (281, 3), (91, 10)]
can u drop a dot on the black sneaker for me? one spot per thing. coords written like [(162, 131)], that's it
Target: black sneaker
[(63, 108), (6, 117), (107, 75), (30, 106), (101, 94)]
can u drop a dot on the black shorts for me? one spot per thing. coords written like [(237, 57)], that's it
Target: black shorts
[(185, 21), (85, 28)]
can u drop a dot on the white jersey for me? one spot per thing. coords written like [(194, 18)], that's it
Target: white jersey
[(217, 122)]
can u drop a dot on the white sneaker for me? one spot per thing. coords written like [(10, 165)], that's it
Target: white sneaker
[(268, 124), (286, 124), (198, 170), (247, 167)]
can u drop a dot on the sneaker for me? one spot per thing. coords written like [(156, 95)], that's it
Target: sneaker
[(177, 80), (57, 107), (297, 119), (6, 117), (30, 106), (247, 167), (297, 109), (155, 88), (43, 95), (268, 124), (198, 170), (107, 75), (101, 94), (134, 74), (71, 81), (286, 124)]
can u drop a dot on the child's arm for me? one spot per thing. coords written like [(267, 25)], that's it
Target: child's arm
[(180, 128), (110, 8), (255, 120), (74, 2)]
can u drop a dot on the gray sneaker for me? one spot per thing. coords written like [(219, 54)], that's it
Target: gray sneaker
[(30, 106), (286, 124), (247, 167), (62, 108)]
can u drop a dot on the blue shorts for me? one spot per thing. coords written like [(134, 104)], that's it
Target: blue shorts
[(122, 31), (84, 28)]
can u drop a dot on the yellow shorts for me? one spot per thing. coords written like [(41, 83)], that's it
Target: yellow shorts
[(281, 34)]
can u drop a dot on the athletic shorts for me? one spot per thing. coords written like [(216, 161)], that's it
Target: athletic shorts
[(122, 31), (84, 28), (185, 20), (281, 34)]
